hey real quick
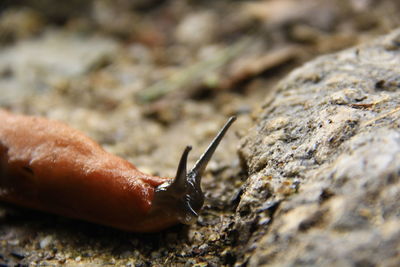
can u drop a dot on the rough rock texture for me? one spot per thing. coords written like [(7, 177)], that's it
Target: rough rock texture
[(91, 63), (324, 164)]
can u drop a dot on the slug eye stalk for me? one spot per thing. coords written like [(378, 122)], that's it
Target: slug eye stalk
[(183, 198)]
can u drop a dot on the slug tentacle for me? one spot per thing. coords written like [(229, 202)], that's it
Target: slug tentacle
[(201, 164), (183, 198), (179, 183)]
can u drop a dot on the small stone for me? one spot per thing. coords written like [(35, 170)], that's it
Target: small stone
[(197, 29), (13, 242), (45, 242)]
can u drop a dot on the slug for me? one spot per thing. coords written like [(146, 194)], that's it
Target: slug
[(48, 166)]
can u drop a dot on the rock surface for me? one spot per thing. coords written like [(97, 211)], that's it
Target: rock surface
[(324, 164), (90, 63)]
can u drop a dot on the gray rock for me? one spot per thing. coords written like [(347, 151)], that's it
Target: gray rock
[(324, 164), (46, 242)]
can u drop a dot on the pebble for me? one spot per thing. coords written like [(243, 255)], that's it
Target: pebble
[(202, 23), (45, 242)]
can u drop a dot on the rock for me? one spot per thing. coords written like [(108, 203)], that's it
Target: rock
[(46, 242), (326, 149), (197, 28)]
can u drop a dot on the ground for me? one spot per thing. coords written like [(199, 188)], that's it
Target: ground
[(147, 78)]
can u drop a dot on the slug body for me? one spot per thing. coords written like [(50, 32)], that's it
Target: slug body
[(48, 166)]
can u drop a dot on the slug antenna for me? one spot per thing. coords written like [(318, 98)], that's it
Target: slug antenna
[(180, 179), (183, 198), (201, 164)]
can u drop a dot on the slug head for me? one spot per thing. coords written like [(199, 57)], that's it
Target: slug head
[(183, 198)]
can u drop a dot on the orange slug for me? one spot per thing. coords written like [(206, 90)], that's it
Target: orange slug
[(48, 166)]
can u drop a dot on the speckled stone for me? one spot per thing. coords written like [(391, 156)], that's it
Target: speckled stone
[(327, 148)]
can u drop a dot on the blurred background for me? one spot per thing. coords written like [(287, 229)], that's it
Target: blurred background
[(145, 79)]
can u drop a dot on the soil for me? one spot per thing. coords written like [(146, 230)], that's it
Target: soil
[(147, 78)]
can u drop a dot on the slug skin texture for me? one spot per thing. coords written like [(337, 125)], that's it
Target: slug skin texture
[(48, 166)]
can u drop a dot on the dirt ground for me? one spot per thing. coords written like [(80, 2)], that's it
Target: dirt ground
[(147, 78)]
